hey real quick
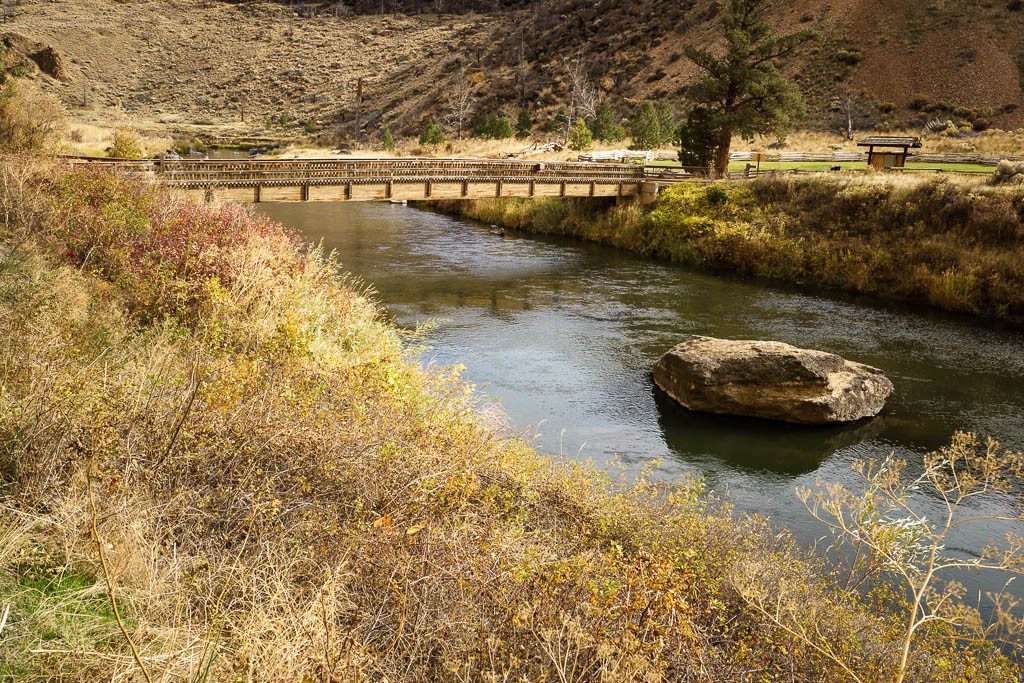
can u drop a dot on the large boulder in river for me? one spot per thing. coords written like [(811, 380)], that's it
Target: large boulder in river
[(770, 380)]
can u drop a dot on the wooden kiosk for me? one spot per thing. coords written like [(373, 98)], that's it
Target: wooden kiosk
[(885, 152)]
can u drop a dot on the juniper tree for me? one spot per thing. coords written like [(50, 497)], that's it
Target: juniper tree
[(502, 128), (432, 134), (580, 138), (697, 139), (645, 131), (743, 89), (666, 122), (524, 124), (604, 127)]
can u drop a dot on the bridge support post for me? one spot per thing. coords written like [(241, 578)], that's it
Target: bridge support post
[(648, 193)]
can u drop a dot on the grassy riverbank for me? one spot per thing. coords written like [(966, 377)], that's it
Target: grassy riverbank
[(218, 463), (954, 244)]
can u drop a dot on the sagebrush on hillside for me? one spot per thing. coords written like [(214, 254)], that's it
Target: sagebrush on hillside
[(218, 463)]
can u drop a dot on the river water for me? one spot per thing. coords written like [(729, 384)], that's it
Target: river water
[(562, 335)]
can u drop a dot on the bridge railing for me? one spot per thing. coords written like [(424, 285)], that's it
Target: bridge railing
[(270, 172)]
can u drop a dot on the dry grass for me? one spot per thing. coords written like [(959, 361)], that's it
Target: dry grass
[(280, 495), (94, 140)]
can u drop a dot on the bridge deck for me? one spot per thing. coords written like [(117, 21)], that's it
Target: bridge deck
[(381, 179)]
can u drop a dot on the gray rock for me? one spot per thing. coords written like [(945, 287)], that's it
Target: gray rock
[(770, 380)]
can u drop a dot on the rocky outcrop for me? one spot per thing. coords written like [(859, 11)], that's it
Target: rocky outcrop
[(18, 48), (770, 380)]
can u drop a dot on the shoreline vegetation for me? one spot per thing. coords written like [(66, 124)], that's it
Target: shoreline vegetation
[(953, 244), (219, 463)]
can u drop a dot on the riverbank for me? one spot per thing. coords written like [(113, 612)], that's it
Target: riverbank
[(954, 244), (218, 462)]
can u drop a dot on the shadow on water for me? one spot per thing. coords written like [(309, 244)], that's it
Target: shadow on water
[(783, 448)]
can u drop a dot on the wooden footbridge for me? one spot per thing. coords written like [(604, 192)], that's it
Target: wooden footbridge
[(338, 180)]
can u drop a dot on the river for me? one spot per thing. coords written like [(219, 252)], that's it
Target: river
[(562, 335)]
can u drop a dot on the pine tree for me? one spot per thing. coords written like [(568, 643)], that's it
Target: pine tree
[(432, 134), (645, 131), (604, 127), (744, 89), (580, 138), (502, 128), (387, 140), (524, 124)]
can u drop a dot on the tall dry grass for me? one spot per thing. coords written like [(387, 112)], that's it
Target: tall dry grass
[(218, 463)]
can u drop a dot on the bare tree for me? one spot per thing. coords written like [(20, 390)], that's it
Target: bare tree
[(459, 104), (850, 111), (583, 97)]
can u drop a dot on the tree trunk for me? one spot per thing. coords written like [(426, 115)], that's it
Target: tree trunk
[(722, 154)]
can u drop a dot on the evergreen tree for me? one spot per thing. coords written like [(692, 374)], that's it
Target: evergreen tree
[(698, 139), (502, 128), (744, 90), (432, 134), (387, 140), (557, 123), (604, 127), (483, 126), (666, 123), (580, 138), (524, 124), (645, 131)]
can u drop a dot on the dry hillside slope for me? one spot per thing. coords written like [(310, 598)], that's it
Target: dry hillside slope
[(190, 64)]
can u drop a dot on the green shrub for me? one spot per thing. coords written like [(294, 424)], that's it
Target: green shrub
[(716, 195), (432, 134), (387, 140)]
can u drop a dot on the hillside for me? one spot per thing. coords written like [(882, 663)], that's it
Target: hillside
[(194, 65)]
